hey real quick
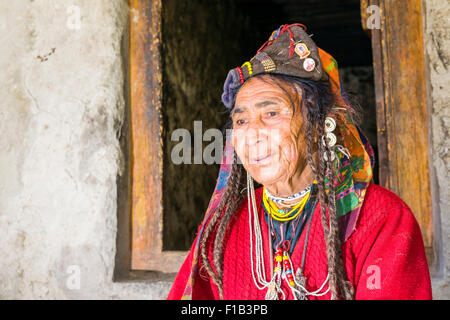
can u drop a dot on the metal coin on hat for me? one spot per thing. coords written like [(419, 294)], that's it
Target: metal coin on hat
[(309, 64)]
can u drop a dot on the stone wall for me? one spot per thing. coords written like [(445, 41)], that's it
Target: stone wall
[(62, 107), (437, 46)]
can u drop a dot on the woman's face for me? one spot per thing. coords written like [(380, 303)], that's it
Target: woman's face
[(263, 132)]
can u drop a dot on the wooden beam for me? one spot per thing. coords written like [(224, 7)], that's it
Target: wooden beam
[(146, 140), (402, 120)]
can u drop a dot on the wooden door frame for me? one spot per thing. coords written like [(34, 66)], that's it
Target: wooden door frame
[(402, 106), (146, 154), (402, 121)]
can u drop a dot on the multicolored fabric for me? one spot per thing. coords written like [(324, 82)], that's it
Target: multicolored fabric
[(224, 172), (355, 173)]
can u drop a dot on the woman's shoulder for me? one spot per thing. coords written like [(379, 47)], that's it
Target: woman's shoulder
[(383, 210), (381, 199), (381, 203)]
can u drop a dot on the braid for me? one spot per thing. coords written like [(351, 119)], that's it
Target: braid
[(235, 199), (336, 268), (328, 229), (206, 264), (207, 233), (218, 223)]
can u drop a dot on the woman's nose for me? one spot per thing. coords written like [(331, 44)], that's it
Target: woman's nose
[(257, 132)]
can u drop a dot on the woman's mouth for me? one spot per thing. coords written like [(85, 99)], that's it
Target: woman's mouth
[(261, 159)]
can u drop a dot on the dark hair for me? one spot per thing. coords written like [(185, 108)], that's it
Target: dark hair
[(316, 104)]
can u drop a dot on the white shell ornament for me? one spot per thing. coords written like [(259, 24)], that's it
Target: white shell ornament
[(330, 124), (331, 139), (309, 64), (333, 156)]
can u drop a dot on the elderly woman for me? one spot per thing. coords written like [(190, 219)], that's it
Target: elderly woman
[(317, 228)]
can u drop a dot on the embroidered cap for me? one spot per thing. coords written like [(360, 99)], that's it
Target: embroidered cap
[(289, 51)]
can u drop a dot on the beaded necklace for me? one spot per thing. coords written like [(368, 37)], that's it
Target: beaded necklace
[(285, 231), (285, 234), (284, 214), (283, 264), (295, 196)]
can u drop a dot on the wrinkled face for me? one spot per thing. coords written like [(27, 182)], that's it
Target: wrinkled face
[(266, 137)]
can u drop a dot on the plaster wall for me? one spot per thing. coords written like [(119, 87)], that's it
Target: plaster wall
[(62, 108), (437, 46)]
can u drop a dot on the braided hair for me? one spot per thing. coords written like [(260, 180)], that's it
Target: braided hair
[(315, 101)]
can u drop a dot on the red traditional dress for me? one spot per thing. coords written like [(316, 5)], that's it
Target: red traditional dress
[(384, 256)]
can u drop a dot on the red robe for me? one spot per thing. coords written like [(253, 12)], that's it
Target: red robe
[(384, 257)]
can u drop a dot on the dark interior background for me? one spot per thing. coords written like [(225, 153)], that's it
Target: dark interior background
[(335, 25), (202, 40)]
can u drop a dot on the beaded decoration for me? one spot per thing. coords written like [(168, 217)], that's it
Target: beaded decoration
[(284, 214), (283, 266), (266, 61), (285, 232), (249, 67), (295, 196), (241, 75)]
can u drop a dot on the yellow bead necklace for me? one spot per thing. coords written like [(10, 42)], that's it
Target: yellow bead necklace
[(284, 215)]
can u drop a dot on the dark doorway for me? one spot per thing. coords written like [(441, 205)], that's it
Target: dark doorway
[(202, 40)]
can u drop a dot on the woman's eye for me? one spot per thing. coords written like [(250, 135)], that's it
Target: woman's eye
[(272, 113), (240, 121)]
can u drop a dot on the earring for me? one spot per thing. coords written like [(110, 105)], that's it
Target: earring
[(330, 125)]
